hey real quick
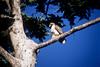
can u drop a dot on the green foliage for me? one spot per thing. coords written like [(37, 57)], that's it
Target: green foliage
[(35, 27), (38, 26), (69, 8)]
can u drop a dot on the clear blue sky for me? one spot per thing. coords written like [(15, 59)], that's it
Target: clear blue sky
[(81, 50)]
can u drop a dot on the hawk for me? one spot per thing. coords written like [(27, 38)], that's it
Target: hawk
[(56, 31)]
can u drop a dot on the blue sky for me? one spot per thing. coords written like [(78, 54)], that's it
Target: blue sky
[(81, 50)]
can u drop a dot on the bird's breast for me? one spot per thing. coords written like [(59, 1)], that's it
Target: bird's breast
[(54, 31)]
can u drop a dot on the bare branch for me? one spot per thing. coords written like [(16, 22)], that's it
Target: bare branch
[(66, 34), (5, 16), (7, 56)]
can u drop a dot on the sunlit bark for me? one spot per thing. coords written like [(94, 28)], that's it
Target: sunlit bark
[(25, 48)]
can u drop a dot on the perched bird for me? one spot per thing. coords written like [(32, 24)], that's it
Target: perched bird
[(56, 31)]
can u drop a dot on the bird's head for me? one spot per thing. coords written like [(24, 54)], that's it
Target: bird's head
[(51, 24)]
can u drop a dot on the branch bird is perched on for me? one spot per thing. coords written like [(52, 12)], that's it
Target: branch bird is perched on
[(56, 31)]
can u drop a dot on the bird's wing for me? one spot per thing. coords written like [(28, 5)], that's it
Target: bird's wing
[(58, 29)]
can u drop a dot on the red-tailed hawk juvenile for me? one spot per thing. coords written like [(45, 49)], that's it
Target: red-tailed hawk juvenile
[(56, 31)]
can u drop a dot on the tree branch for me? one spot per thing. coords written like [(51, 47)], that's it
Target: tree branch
[(5, 16), (47, 8), (66, 34), (7, 56)]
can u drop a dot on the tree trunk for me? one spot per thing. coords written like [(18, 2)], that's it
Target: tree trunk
[(24, 47)]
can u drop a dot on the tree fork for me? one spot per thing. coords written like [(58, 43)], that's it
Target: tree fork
[(23, 46), (24, 50)]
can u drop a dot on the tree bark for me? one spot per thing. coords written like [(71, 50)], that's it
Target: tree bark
[(25, 48), (12, 60)]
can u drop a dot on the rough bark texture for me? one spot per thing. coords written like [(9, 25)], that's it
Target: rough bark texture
[(8, 57), (24, 48)]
